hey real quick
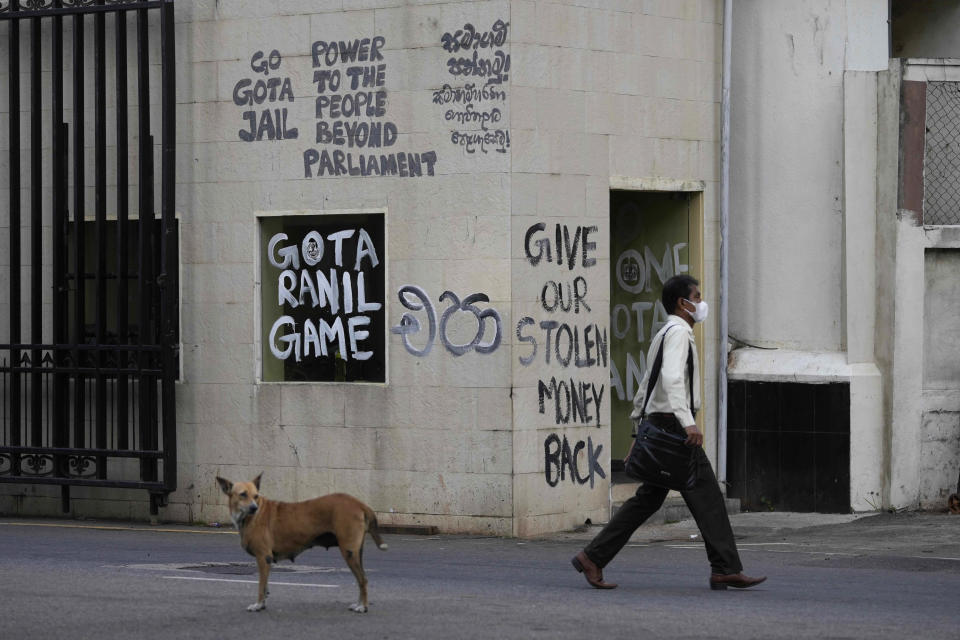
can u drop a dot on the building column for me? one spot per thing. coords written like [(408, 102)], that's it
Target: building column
[(859, 288)]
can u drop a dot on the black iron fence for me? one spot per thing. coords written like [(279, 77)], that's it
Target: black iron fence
[(88, 370)]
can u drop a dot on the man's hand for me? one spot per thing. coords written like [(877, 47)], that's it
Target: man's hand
[(694, 437)]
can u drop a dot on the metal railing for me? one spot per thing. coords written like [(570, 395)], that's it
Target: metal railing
[(88, 381)]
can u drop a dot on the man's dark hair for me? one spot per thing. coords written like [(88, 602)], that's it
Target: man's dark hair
[(675, 288)]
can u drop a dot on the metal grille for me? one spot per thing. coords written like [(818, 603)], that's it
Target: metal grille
[(941, 164), (88, 328)]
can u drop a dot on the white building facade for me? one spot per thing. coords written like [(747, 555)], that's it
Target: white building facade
[(420, 247), (843, 267), (394, 248)]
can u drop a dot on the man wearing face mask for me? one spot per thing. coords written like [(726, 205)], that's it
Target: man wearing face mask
[(670, 408)]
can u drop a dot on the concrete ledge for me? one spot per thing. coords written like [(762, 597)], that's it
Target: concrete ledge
[(409, 529), (674, 509), (941, 400), (629, 183), (942, 236), (781, 365), (932, 69)]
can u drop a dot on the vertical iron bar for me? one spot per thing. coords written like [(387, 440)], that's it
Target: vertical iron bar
[(4, 425), (41, 394), (59, 424), (36, 232), (169, 272), (111, 413), (48, 395), (148, 468), (15, 338), (79, 193), (100, 170), (123, 208)]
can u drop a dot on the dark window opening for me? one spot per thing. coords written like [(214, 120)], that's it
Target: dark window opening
[(323, 315)]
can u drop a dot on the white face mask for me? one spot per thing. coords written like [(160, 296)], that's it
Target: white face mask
[(700, 310)]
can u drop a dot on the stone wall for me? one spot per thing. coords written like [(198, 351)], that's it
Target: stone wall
[(509, 123)]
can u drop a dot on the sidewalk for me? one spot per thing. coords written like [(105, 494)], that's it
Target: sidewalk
[(934, 536), (906, 534)]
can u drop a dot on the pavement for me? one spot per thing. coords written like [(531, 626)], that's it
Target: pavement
[(874, 576)]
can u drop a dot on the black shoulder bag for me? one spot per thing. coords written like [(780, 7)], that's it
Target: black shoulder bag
[(658, 456)]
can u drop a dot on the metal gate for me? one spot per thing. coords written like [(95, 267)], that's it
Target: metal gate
[(90, 300)]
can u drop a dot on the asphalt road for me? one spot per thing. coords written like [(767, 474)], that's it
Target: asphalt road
[(104, 581)]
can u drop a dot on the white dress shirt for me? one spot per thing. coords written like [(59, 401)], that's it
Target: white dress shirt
[(671, 394)]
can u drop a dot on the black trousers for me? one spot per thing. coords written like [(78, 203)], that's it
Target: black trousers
[(705, 502)]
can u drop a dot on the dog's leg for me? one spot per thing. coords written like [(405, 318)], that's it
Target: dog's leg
[(374, 529), (264, 567), (354, 559)]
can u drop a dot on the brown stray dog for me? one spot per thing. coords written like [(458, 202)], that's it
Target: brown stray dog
[(271, 530)]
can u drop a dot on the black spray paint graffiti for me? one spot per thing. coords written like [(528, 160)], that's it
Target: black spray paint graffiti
[(476, 109), (472, 142), (566, 248), (494, 68), (559, 458), (414, 298), (572, 401), (469, 38), (351, 110), (468, 94), (567, 343), (271, 123), (563, 342)]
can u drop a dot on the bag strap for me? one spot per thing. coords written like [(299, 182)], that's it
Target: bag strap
[(655, 373)]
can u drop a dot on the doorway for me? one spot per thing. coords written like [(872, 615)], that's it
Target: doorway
[(654, 235)]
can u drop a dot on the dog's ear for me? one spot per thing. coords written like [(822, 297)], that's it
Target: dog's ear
[(256, 481), (225, 485)]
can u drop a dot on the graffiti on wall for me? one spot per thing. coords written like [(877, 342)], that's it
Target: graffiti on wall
[(354, 135), (560, 459), (475, 109), (637, 273), (326, 274), (560, 339), (264, 96), (416, 299)]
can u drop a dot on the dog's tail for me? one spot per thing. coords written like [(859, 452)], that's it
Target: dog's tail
[(374, 529)]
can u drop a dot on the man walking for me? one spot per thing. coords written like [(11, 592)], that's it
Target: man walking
[(669, 408)]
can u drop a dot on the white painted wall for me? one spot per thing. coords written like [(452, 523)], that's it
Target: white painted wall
[(614, 94), (786, 165), (786, 149), (804, 205), (940, 430), (860, 162), (941, 338), (915, 333), (824, 267)]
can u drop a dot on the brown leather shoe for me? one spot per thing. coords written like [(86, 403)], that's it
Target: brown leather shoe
[(719, 582), (590, 571)]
